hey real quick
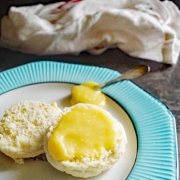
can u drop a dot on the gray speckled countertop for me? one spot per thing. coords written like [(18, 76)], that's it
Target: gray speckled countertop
[(163, 81)]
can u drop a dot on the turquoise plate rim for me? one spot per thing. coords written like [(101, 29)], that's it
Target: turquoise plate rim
[(157, 158)]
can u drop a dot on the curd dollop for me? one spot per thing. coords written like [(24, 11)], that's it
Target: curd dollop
[(82, 132), (86, 93)]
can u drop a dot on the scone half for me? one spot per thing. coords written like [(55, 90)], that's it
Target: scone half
[(23, 126), (86, 141)]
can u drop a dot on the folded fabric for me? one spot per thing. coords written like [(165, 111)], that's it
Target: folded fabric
[(148, 29)]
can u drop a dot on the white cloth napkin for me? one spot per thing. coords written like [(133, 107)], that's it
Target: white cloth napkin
[(147, 29)]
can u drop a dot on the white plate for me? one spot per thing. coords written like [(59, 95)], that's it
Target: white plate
[(60, 93)]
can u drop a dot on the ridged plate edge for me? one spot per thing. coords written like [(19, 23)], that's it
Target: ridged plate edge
[(154, 123)]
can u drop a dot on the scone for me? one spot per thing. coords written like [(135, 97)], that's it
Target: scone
[(86, 141), (23, 126)]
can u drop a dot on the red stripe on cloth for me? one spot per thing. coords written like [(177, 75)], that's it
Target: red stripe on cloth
[(69, 2)]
